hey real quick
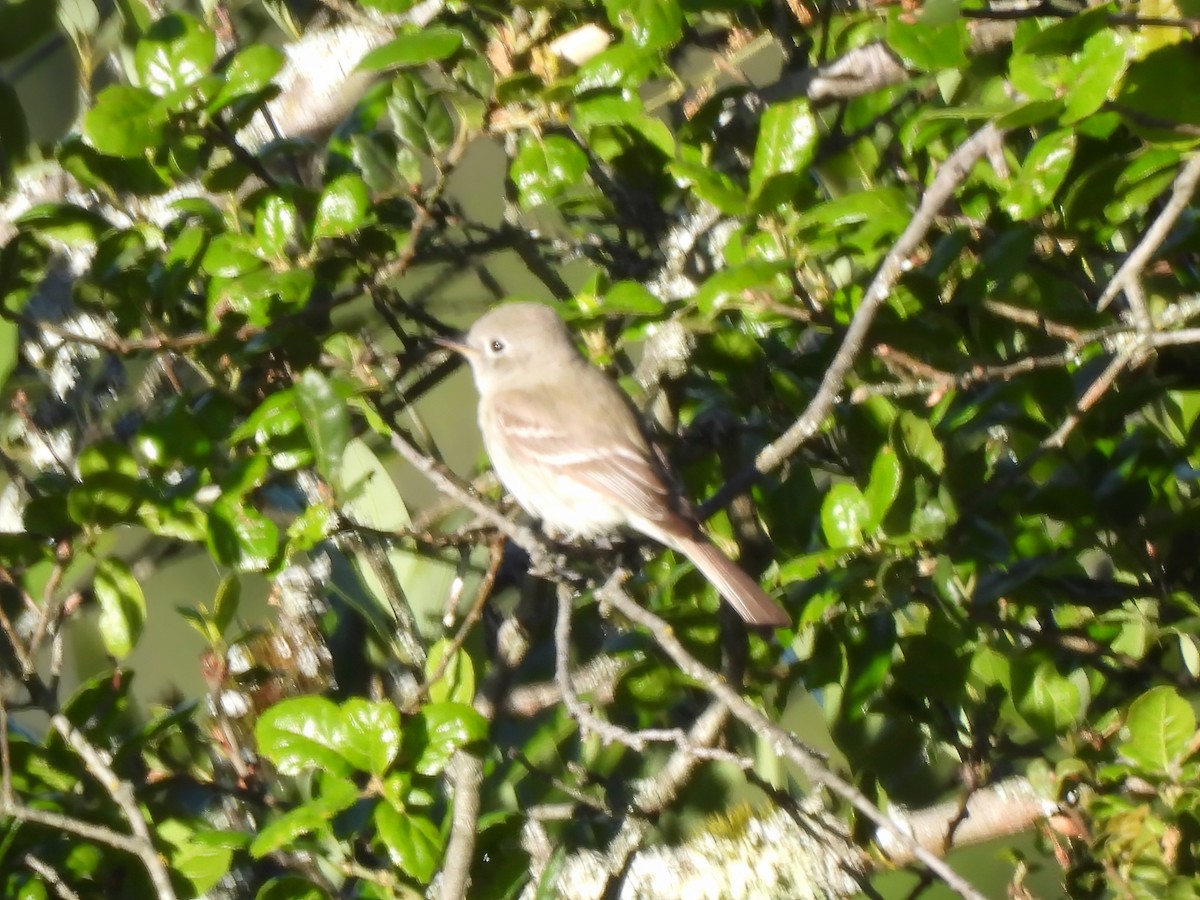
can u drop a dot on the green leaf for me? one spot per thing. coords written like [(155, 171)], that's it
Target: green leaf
[(843, 514), (457, 681), (546, 168), (1158, 731), (1154, 87), (302, 734), (1049, 702), (649, 24), (205, 858), (125, 121), (919, 442), (290, 887), (241, 537), (743, 284), (883, 486), (413, 842), (1098, 70), (621, 65), (710, 185), (326, 422), (277, 226), (927, 47), (176, 52), (1041, 175), (369, 736), (249, 72), (343, 207), (444, 728), (630, 298), (65, 222), (261, 296), (230, 255), (225, 604), (122, 607), (283, 830), (9, 348), (414, 48), (419, 117), (787, 142)]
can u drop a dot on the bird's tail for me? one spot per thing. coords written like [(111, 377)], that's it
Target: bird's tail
[(739, 589)]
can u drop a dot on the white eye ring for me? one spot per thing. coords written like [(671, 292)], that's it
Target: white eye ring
[(496, 346)]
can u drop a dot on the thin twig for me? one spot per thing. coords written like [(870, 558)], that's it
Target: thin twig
[(1181, 194), (608, 732), (122, 794), (50, 876), (468, 622), (784, 742), (1095, 390), (953, 171), (445, 482)]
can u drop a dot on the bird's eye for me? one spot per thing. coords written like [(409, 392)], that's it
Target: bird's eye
[(497, 346)]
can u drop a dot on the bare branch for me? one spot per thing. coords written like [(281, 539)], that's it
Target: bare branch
[(784, 742), (607, 731), (1181, 194), (952, 173)]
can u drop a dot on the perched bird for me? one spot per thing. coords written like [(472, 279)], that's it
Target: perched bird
[(566, 442)]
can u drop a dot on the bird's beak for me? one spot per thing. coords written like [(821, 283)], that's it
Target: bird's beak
[(457, 343)]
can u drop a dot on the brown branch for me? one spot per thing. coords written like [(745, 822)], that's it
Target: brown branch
[(608, 732), (999, 810), (448, 484), (953, 171), (598, 676), (784, 742), (1181, 194), (50, 876), (1094, 392), (468, 622), (122, 794)]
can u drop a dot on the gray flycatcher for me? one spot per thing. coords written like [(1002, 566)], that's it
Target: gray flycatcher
[(566, 442)]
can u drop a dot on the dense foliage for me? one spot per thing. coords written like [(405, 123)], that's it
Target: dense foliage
[(930, 269)]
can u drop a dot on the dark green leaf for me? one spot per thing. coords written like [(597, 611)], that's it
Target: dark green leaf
[(301, 734), (412, 841), (122, 607), (414, 48), (1041, 175), (546, 168), (326, 422), (176, 52), (125, 121), (369, 736), (1159, 730), (343, 207), (787, 141)]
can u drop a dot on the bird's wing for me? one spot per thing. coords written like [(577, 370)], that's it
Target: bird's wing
[(610, 457)]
